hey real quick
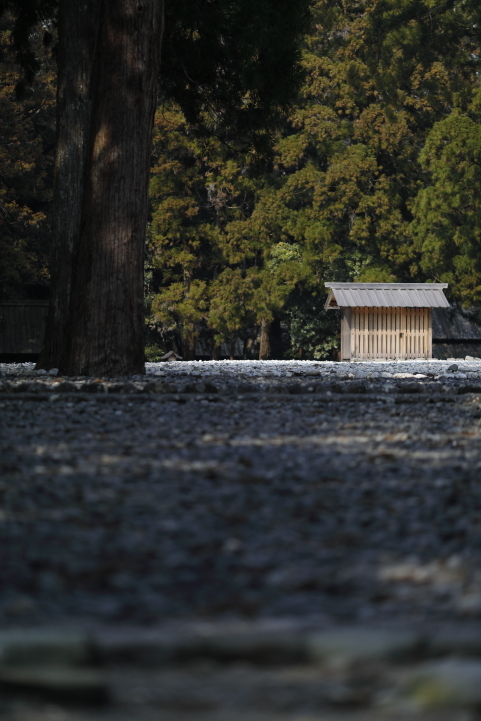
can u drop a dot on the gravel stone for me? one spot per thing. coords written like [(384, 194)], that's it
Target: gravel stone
[(342, 647), (349, 500), (249, 554), (451, 683), (51, 647), (57, 684)]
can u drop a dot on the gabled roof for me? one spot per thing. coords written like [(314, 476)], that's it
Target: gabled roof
[(386, 295)]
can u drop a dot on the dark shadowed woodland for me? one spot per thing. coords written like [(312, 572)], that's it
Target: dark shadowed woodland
[(362, 170)]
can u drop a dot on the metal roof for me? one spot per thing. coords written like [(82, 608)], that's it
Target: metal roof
[(386, 295)]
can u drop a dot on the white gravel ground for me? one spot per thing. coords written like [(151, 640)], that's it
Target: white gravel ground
[(241, 370), (285, 369)]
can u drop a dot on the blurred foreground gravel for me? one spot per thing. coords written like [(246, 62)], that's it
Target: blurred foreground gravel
[(327, 500)]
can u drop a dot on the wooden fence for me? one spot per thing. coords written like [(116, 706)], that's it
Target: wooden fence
[(390, 333)]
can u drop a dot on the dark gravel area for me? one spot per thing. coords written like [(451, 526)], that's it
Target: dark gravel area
[(345, 504)]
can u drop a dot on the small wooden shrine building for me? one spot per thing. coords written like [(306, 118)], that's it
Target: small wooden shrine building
[(386, 320)]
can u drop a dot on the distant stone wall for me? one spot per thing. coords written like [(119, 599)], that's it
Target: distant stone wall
[(444, 350)]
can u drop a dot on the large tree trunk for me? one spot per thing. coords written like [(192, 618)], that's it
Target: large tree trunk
[(78, 26), (98, 278), (106, 331)]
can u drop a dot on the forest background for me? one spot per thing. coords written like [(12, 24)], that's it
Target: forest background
[(374, 176)]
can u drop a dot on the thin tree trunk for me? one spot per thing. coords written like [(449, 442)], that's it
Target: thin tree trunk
[(77, 32), (214, 350), (250, 342), (188, 344), (106, 322), (265, 345), (188, 330)]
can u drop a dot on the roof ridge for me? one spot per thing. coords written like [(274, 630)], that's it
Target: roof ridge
[(393, 286), (386, 295)]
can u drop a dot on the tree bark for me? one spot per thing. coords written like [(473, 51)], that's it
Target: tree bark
[(106, 328), (78, 25), (265, 344), (108, 76)]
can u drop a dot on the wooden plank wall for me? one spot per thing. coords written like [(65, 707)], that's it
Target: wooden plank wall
[(391, 333), (346, 334)]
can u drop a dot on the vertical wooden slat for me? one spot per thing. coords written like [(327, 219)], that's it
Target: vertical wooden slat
[(422, 353), (394, 325), (380, 333), (354, 318), (361, 333), (392, 346), (386, 329), (357, 332), (366, 332), (355, 324), (401, 333), (388, 333), (422, 344), (359, 312), (394, 332), (346, 334), (361, 326), (413, 315), (373, 334), (414, 331), (389, 320), (420, 333), (369, 332), (359, 320), (398, 338), (368, 349), (430, 333), (427, 333), (409, 333), (424, 325)]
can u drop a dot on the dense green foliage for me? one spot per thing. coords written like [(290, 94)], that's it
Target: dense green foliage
[(372, 175), (27, 142), (344, 194)]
